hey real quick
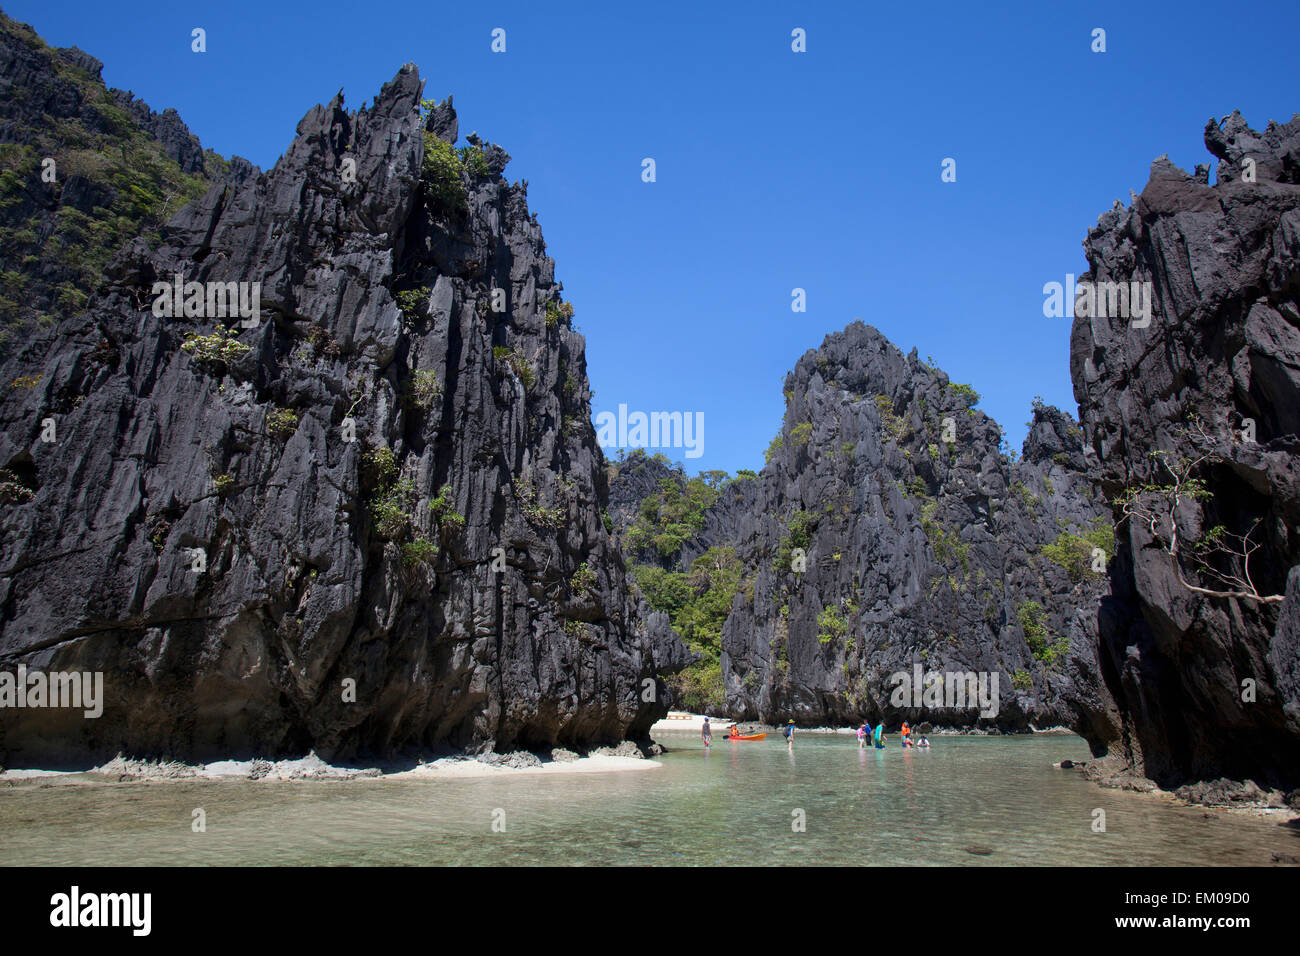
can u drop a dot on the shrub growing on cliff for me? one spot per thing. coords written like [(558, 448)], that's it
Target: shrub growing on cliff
[(441, 172), (445, 516), (946, 544), (423, 389), (801, 433), (388, 511), (419, 551), (12, 490), (1032, 619), (557, 312), (380, 465), (522, 368), (219, 348), (473, 161), (799, 531), (831, 624), (969, 397), (535, 513), (665, 591), (582, 580), (773, 447), (892, 425), (282, 422), (1220, 557), (1028, 498), (1074, 552), (413, 302)]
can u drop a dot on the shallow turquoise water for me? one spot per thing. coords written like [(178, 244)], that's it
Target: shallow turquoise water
[(969, 800)]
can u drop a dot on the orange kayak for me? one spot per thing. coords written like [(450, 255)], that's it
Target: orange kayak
[(748, 737)]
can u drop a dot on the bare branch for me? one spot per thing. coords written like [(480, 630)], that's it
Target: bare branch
[(1157, 506)]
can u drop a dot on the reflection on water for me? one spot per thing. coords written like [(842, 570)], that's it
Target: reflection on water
[(988, 801)]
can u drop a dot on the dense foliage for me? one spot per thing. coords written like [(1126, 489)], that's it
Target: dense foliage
[(697, 602)]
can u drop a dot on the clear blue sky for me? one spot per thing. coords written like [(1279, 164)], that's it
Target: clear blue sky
[(776, 170)]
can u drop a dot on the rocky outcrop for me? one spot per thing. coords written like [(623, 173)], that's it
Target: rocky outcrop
[(167, 128), (366, 520), (83, 169), (1192, 421), (640, 477), (921, 544), (923, 547)]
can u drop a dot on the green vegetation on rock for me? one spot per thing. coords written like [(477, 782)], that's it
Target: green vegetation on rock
[(282, 422), (1043, 644), (441, 172), (799, 530), (1074, 552), (671, 515), (64, 250), (218, 349), (697, 604), (833, 625), (522, 368), (893, 425)]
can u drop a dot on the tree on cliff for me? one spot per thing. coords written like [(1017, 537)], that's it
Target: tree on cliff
[(1218, 555)]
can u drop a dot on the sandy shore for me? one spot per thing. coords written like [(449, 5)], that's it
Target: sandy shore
[(472, 768), (312, 767)]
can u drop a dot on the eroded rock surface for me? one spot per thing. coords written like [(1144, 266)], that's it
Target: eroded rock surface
[(401, 497), (1208, 685), (923, 546)]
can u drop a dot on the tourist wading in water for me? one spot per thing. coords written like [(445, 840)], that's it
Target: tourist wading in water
[(706, 734), (788, 730)]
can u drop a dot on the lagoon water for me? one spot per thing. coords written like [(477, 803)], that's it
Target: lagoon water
[(969, 800)]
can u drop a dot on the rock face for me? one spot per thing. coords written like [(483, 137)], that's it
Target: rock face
[(922, 546), (83, 170), (365, 521), (1206, 397)]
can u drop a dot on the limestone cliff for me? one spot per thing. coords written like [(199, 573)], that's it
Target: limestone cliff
[(365, 519), (1192, 424)]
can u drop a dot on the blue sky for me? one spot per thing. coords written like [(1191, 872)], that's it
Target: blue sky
[(776, 170)]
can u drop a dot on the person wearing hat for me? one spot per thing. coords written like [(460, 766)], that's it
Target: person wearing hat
[(789, 733)]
